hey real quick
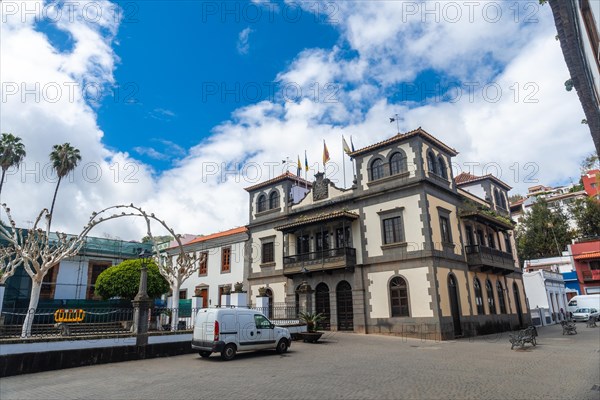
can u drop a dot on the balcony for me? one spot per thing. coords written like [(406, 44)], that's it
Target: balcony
[(330, 259), (481, 258), (591, 275)]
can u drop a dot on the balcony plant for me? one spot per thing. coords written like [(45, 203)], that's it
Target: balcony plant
[(312, 325)]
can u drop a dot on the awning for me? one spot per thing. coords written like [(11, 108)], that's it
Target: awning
[(304, 221)]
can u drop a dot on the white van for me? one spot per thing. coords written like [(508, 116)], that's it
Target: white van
[(584, 301), (229, 330)]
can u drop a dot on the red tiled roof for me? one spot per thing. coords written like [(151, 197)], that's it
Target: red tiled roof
[(590, 255), (324, 217), (282, 177), (518, 202), (466, 178), (402, 136), (229, 232)]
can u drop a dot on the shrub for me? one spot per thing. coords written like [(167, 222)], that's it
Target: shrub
[(123, 280)]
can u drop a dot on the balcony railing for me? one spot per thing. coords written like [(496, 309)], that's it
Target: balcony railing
[(486, 258), (592, 275), (323, 259)]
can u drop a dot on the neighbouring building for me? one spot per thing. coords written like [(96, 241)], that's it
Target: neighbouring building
[(591, 183), (73, 278), (220, 265), (563, 265), (547, 296), (586, 256), (578, 27), (406, 250)]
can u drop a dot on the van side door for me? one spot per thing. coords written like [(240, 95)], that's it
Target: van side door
[(248, 336), (264, 332)]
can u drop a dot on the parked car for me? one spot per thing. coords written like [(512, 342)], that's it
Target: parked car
[(584, 314), (584, 301), (229, 330)]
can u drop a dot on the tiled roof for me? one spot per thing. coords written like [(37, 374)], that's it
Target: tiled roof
[(324, 217), (590, 255), (229, 232), (467, 178), (282, 177), (402, 136)]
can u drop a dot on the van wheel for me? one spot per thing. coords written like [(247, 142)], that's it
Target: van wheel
[(205, 354), (228, 352), (282, 346)]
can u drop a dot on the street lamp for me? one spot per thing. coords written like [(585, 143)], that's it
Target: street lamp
[(141, 302)]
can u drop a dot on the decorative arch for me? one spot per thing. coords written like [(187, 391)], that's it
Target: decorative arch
[(399, 299), (261, 203), (501, 300), (454, 304), (322, 305), (345, 311), (377, 169)]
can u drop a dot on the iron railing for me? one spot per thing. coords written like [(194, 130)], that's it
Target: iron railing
[(322, 255)]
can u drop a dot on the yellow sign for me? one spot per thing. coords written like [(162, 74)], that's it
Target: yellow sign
[(64, 315)]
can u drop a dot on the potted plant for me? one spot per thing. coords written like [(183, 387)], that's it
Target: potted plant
[(312, 325), (262, 291), (238, 287), (227, 289)]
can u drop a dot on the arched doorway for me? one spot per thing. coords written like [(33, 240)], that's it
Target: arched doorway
[(269, 294), (322, 305), (345, 313), (518, 303), (454, 305)]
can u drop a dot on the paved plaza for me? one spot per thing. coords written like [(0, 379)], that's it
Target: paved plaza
[(345, 366)]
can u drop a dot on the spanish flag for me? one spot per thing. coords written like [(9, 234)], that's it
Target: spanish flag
[(325, 153)]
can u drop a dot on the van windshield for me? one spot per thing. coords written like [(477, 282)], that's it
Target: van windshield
[(573, 303)]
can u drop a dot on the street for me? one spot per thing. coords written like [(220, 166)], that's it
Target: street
[(346, 366)]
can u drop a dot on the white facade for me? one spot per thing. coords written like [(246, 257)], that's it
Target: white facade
[(554, 264), (213, 247), (546, 293)]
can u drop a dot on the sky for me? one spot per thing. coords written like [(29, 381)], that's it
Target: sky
[(176, 106)]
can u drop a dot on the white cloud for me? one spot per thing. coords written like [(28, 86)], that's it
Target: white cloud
[(243, 44), (203, 192)]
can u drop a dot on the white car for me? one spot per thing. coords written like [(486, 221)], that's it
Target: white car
[(229, 330), (584, 314)]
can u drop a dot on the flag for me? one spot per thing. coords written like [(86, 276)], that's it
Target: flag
[(299, 166), (345, 145), (325, 153), (351, 144), (305, 162)]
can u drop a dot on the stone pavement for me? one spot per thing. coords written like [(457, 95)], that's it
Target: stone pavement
[(346, 366)]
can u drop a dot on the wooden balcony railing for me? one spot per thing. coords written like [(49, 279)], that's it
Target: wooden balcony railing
[(342, 257), (486, 258)]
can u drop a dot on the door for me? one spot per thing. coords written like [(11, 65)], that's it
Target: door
[(518, 303), (454, 305), (264, 332), (204, 296), (322, 305), (345, 313)]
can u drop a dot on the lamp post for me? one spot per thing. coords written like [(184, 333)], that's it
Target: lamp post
[(141, 302)]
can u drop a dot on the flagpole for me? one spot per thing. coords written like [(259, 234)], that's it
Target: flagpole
[(352, 159), (344, 162)]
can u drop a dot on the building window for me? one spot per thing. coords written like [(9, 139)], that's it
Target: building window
[(480, 236), (377, 169), (274, 200), (490, 296), (302, 244), (399, 297), (262, 203), (183, 294), (203, 268), (507, 243), (501, 297), (268, 252), (343, 238), (442, 168), (470, 237), (491, 241), (397, 163), (392, 230), (590, 27), (322, 241), (431, 163), (94, 271), (226, 259), (49, 283), (445, 229), (478, 297)]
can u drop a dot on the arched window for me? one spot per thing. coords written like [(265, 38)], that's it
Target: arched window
[(397, 163), (399, 297), (478, 297), (377, 169), (274, 200), (497, 198), (431, 163), (442, 168), (262, 203), (490, 296), (501, 297)]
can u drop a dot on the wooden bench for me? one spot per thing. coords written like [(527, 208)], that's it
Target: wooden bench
[(90, 328), (569, 327), (523, 336)]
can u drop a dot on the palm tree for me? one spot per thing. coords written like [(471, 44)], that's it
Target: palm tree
[(12, 152), (64, 159)]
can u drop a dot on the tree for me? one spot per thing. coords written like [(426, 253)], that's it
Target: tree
[(515, 197), (586, 213), (544, 232), (159, 239), (64, 159), (123, 280), (591, 161), (12, 152)]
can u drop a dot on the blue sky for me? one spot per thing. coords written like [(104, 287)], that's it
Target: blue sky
[(166, 135)]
